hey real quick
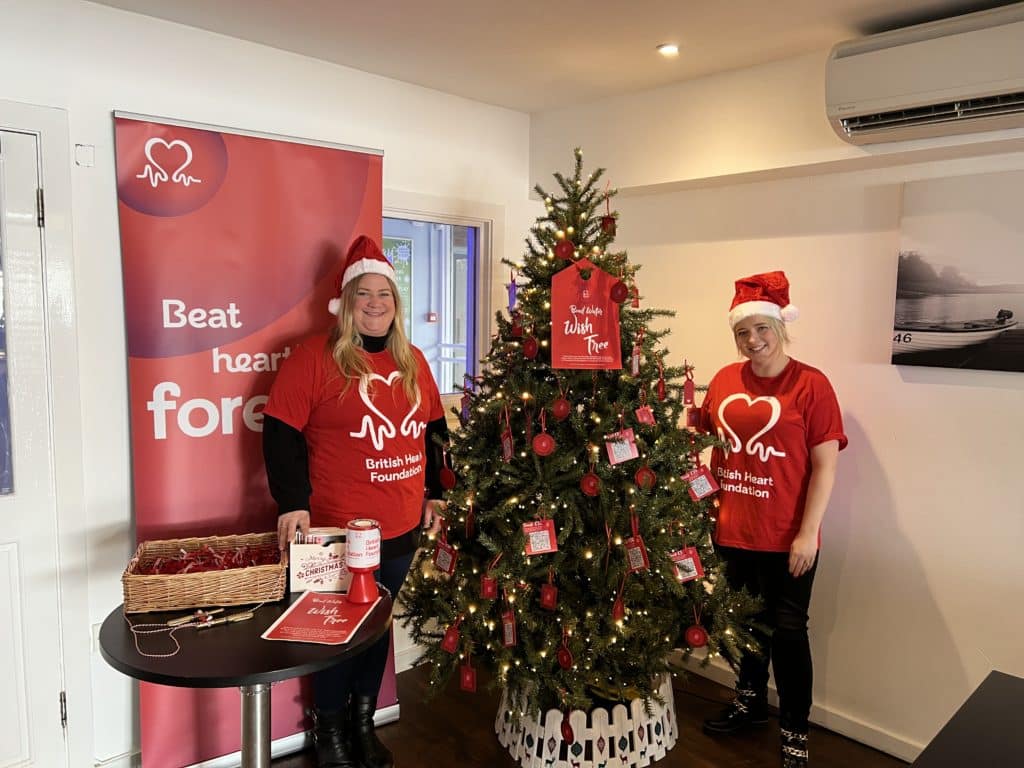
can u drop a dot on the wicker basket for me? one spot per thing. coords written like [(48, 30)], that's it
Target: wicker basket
[(172, 592)]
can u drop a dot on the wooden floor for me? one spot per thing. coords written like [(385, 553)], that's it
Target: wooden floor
[(456, 730)]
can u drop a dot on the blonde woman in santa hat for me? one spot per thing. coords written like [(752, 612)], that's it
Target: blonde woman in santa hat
[(783, 431), (349, 431)]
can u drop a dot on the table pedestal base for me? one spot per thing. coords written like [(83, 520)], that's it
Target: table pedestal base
[(255, 725)]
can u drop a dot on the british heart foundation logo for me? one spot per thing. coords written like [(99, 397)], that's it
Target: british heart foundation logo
[(168, 170)]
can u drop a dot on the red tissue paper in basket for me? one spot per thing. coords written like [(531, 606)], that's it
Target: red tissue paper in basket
[(206, 559)]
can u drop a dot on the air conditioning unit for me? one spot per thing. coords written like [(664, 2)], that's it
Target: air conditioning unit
[(959, 75)]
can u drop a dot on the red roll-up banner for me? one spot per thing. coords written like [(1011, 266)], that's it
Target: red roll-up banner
[(230, 244)]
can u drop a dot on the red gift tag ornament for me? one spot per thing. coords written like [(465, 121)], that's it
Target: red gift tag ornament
[(488, 587), (635, 291), (543, 444), (645, 478), (470, 521), (619, 606), (517, 325), (565, 249), (696, 636), (445, 555), (688, 386), (549, 593), (507, 447), (636, 552), (693, 417), (608, 225), (619, 292), (508, 628), (450, 643), (686, 564), (540, 537), (590, 484), (662, 390), (467, 677), (701, 483)]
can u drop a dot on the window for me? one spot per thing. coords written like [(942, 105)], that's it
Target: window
[(437, 268)]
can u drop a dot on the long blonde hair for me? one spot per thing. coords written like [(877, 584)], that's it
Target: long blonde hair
[(346, 345)]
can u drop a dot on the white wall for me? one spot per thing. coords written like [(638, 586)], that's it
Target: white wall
[(918, 594), (90, 60)]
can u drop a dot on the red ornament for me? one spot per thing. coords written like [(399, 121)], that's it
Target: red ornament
[(548, 596), (620, 292), (608, 225), (565, 249), (447, 478), (696, 636), (561, 409), (662, 392), (517, 326), (565, 657), (467, 678), (590, 484), (618, 609), (645, 478), (567, 733), (543, 444), (530, 348)]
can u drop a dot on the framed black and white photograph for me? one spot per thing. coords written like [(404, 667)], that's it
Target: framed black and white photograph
[(960, 274)]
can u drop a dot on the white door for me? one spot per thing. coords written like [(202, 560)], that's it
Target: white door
[(31, 729)]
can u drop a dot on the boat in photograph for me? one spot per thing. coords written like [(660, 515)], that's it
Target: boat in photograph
[(923, 336)]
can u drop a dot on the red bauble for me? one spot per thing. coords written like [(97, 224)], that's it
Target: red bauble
[(619, 292), (530, 347), (565, 658), (565, 249), (447, 478), (618, 609), (696, 636), (561, 409), (608, 225), (645, 478), (590, 484), (543, 444)]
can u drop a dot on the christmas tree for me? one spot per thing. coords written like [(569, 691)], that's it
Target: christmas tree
[(576, 554)]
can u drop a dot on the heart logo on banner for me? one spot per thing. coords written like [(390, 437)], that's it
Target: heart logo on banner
[(753, 444), (155, 171)]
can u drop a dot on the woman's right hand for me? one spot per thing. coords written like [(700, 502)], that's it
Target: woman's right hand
[(287, 524)]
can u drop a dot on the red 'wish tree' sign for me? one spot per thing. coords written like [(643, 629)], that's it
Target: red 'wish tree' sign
[(584, 319)]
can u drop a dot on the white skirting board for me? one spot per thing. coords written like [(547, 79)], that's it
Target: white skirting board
[(845, 725)]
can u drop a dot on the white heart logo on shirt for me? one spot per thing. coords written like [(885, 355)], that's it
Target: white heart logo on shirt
[(386, 427), (753, 444)]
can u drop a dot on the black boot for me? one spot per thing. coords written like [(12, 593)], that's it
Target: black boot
[(331, 736), (365, 744), (748, 709), (794, 748)]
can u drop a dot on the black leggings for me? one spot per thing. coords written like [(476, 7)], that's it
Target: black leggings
[(362, 674), (786, 600)]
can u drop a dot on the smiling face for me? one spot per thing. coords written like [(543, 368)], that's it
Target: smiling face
[(760, 339), (373, 309)]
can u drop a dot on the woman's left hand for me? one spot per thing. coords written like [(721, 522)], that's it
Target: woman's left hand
[(802, 554), (433, 514)]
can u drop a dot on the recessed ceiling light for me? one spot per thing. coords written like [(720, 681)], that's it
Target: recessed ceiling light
[(668, 50)]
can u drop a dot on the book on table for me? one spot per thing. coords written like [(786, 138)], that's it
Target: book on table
[(326, 618)]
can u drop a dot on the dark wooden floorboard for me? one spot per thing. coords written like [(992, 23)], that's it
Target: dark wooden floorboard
[(457, 729)]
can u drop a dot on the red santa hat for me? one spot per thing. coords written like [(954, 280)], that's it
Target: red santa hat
[(364, 258), (764, 294)]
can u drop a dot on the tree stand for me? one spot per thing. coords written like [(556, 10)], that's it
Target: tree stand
[(624, 737)]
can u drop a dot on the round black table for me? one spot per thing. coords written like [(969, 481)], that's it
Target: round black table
[(230, 655)]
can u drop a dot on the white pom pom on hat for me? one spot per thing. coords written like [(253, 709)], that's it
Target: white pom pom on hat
[(764, 294), (364, 257)]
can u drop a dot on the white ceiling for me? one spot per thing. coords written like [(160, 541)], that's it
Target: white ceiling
[(531, 55)]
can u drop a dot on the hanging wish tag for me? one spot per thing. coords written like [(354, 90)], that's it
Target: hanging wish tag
[(621, 446), (506, 444), (634, 361), (508, 628), (686, 564), (540, 537), (488, 587), (548, 597), (450, 644), (645, 415), (701, 483), (467, 678), (445, 557), (636, 554)]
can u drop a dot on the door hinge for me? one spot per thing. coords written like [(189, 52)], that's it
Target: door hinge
[(63, 710), (40, 209)]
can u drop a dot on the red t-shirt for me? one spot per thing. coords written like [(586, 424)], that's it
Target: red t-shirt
[(366, 450), (770, 426)]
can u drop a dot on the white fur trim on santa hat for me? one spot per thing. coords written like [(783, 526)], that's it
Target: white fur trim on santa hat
[(366, 267), (334, 306), (765, 308)]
